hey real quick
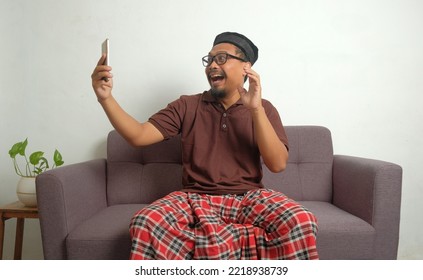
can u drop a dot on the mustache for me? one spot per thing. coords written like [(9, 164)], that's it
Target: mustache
[(212, 73)]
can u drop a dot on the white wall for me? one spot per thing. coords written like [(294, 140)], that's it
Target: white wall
[(353, 66)]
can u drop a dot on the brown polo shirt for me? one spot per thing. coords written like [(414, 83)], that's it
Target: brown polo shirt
[(219, 151)]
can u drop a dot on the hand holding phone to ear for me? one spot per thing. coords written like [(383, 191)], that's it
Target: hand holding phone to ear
[(251, 98)]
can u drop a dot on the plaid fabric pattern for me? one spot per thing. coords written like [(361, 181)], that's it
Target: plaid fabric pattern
[(262, 224)]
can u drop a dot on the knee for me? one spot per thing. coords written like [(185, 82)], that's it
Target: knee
[(296, 219), (306, 221)]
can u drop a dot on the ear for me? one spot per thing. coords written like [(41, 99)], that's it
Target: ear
[(248, 64), (245, 75)]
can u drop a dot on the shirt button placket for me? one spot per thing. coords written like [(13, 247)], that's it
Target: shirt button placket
[(224, 126)]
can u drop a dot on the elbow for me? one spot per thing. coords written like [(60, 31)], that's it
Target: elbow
[(277, 167)]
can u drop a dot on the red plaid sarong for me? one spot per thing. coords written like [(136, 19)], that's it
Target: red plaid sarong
[(262, 224)]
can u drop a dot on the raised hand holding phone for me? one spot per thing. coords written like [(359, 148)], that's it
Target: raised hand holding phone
[(102, 77)]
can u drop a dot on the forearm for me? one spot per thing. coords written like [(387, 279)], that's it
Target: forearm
[(136, 133), (272, 150)]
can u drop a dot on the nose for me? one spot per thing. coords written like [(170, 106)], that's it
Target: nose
[(213, 65)]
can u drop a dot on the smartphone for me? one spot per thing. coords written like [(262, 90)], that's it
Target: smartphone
[(105, 49)]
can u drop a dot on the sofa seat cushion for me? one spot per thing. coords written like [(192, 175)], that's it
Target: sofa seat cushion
[(104, 235), (338, 230)]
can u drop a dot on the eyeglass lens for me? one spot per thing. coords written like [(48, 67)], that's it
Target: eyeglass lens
[(218, 58)]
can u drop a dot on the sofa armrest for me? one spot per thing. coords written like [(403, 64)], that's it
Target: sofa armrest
[(66, 197), (371, 190)]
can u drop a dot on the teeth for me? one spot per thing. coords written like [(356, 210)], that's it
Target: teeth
[(216, 76)]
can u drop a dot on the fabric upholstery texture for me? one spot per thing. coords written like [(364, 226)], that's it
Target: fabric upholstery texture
[(85, 208)]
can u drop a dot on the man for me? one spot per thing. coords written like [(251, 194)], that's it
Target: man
[(223, 210)]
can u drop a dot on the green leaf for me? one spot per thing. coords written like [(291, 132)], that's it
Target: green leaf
[(35, 157), (22, 148), (58, 158), (44, 162), (18, 148), (38, 171), (15, 149)]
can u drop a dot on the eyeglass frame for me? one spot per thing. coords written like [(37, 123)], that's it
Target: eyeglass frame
[(227, 55)]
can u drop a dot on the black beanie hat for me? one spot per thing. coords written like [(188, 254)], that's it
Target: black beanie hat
[(243, 43)]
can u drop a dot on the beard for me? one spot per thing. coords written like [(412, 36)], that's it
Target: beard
[(218, 93)]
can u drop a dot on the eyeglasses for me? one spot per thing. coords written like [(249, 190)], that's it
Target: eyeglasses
[(219, 58)]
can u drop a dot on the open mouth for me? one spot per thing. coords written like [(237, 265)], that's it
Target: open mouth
[(216, 79)]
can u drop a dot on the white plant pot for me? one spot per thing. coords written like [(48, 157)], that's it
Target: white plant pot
[(26, 191)]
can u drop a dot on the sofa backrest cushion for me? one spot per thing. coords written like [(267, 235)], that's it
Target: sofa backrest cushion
[(308, 175), (144, 174)]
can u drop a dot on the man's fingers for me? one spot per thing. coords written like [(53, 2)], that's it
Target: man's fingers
[(101, 72), (101, 60), (252, 75)]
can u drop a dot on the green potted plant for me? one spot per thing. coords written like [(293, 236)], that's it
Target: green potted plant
[(36, 164)]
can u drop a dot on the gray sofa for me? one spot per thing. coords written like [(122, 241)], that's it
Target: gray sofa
[(85, 208)]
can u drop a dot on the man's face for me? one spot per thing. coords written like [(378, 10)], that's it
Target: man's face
[(226, 78)]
